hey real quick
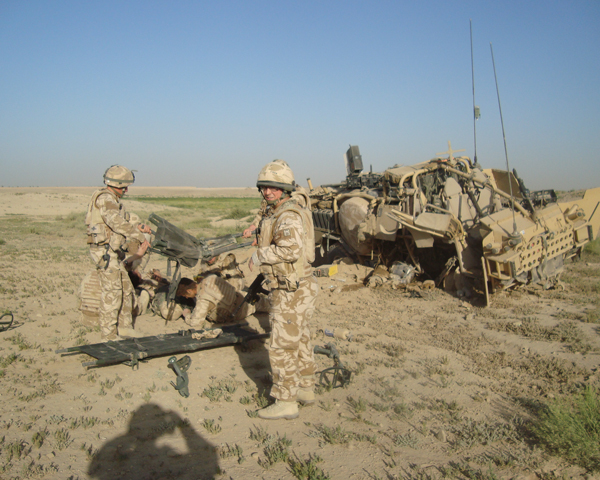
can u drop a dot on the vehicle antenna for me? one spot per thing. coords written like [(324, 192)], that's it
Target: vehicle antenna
[(515, 235), (476, 113)]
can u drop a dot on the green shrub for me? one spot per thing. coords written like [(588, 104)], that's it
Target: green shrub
[(593, 247), (570, 427)]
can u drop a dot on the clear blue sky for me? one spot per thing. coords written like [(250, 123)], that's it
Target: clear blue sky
[(204, 93)]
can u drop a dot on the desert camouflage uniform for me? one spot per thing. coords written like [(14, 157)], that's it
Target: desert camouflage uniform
[(109, 229), (285, 248), (220, 292)]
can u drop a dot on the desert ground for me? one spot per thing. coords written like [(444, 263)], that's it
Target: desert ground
[(442, 387)]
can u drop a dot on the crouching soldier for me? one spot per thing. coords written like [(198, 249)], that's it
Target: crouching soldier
[(109, 228), (213, 297)]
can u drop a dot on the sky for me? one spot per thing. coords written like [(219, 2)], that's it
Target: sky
[(204, 93)]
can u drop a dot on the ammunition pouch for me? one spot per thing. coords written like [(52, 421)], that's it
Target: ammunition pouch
[(288, 282), (98, 234)]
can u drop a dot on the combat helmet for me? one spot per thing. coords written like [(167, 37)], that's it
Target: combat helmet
[(277, 174), (118, 177)]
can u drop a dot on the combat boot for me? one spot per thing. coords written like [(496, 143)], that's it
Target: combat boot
[(128, 332), (287, 410), (306, 396)]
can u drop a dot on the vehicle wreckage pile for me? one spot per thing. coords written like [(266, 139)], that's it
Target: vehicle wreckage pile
[(452, 222)]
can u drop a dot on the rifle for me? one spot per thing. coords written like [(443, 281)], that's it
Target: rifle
[(252, 295)]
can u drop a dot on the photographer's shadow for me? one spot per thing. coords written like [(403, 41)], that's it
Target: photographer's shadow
[(137, 456)]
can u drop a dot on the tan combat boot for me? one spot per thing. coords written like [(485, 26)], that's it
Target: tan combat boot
[(306, 395), (287, 410), (128, 332)]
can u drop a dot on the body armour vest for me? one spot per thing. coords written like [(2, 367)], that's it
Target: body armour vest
[(288, 274), (98, 232)]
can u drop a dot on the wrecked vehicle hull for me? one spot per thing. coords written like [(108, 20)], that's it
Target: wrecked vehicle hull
[(454, 222)]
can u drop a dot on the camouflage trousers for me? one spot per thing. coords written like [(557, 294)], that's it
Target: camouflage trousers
[(290, 351), (116, 298), (217, 299)]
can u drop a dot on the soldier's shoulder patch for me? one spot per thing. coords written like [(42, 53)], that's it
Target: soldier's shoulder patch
[(286, 232)]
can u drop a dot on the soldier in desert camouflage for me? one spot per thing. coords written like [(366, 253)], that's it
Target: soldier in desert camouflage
[(216, 293), (110, 230), (219, 293), (285, 251)]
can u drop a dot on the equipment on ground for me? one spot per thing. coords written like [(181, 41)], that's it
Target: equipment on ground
[(180, 367), (133, 350), (336, 376), (5, 325)]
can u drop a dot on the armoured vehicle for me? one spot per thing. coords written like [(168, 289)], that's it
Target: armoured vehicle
[(449, 220)]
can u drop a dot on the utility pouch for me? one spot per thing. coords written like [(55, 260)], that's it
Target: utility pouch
[(97, 234), (288, 284)]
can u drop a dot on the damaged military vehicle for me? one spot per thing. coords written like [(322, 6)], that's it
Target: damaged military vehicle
[(451, 221)]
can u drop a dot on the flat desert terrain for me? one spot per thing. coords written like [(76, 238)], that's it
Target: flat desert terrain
[(442, 387)]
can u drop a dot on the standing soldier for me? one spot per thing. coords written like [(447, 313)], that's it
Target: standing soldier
[(109, 229), (286, 247)]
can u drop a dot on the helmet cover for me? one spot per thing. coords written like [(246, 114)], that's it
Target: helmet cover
[(118, 176), (277, 174)]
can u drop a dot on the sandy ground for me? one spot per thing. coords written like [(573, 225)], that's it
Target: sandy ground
[(435, 389)]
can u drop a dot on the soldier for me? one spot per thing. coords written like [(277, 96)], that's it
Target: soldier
[(285, 251), (109, 229), (212, 297), (219, 293)]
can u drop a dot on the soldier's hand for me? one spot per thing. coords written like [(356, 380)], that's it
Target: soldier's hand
[(248, 232), (254, 261), (143, 248), (144, 228)]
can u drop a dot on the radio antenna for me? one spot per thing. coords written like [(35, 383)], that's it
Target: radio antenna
[(515, 235), (476, 113)]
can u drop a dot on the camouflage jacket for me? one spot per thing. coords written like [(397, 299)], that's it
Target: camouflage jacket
[(286, 243), (108, 222)]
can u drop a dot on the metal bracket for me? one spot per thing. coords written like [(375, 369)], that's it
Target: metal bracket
[(180, 367)]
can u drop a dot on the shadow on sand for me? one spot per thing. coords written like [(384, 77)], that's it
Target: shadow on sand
[(136, 455)]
